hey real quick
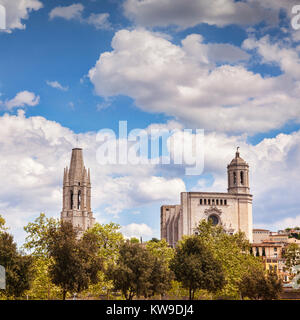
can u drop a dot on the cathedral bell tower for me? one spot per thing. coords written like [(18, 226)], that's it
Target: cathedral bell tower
[(238, 175), (77, 194)]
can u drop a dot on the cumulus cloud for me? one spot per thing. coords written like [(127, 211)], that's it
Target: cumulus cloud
[(22, 99), (57, 85), (19, 10), (135, 230), (75, 11), (185, 82), (190, 13), (34, 152)]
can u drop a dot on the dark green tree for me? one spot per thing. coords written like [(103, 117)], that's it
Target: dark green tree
[(256, 285), (18, 267), (75, 262), (195, 266), (138, 272)]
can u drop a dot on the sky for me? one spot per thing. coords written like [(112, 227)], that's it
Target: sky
[(69, 69)]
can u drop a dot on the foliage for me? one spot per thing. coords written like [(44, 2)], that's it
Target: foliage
[(161, 250), (2, 224), (109, 240), (75, 262), (18, 267), (292, 255), (138, 272), (37, 240), (134, 240), (42, 287), (232, 251), (256, 285), (195, 266)]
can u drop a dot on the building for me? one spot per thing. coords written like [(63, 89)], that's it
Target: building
[(259, 235), (232, 210), (270, 246), (77, 194)]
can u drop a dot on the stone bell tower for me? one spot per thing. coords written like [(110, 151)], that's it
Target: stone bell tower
[(238, 175), (77, 194)]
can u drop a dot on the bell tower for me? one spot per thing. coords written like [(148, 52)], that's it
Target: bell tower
[(238, 175), (77, 194)]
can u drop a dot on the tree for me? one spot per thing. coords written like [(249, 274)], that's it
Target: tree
[(109, 239), (138, 272), (75, 262), (255, 285), (292, 255), (37, 242), (232, 251), (18, 267), (195, 266)]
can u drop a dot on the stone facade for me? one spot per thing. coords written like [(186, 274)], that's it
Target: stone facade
[(232, 210), (77, 194)]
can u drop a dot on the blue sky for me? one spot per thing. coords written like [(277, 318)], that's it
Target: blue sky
[(71, 68)]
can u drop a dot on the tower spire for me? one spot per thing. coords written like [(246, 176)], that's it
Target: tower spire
[(77, 194), (238, 175)]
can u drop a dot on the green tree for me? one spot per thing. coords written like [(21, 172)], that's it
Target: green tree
[(37, 242), (291, 255), (109, 240), (232, 251), (18, 267), (138, 272), (75, 262), (195, 266), (256, 285)]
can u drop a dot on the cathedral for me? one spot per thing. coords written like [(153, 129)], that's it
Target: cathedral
[(77, 194), (232, 210)]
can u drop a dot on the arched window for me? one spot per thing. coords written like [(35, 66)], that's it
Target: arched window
[(71, 200), (234, 178), (79, 199), (242, 177)]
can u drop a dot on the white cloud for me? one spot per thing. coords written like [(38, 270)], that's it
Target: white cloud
[(75, 11), (34, 152), (22, 99), (135, 230), (99, 21), (190, 13), (185, 82), (18, 10), (57, 85)]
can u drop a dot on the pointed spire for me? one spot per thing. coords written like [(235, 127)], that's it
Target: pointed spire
[(76, 166), (237, 155)]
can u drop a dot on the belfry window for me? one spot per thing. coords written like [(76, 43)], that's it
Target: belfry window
[(242, 177), (200, 201), (205, 201), (234, 178), (79, 200), (71, 199)]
